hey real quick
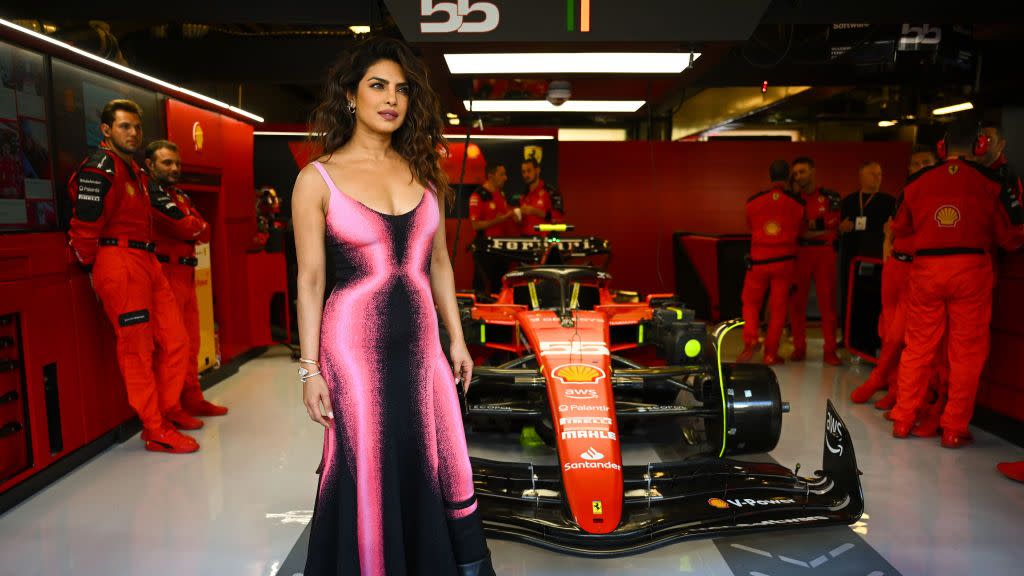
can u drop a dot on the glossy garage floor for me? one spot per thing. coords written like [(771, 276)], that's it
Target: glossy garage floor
[(239, 507)]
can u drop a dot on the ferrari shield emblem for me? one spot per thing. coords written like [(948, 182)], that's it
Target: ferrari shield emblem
[(535, 152), (775, 195), (129, 189), (598, 508), (947, 215), (953, 168)]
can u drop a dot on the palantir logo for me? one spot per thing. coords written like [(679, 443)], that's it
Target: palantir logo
[(592, 454), (456, 13)]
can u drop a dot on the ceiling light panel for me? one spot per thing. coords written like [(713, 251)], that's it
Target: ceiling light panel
[(545, 106), (571, 63)]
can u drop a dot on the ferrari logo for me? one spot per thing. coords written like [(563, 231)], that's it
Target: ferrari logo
[(197, 137), (578, 373), (492, 205), (775, 195), (953, 168), (597, 507), (535, 152), (947, 215), (772, 228), (129, 189)]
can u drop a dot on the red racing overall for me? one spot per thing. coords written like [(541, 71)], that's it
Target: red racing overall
[(547, 201), (178, 226), (111, 230), (776, 219), (816, 259), (955, 214)]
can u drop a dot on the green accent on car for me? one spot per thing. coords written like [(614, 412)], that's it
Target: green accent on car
[(721, 382), (692, 348)]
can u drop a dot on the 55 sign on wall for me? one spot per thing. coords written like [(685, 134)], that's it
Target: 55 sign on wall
[(468, 17), (554, 21), (461, 16)]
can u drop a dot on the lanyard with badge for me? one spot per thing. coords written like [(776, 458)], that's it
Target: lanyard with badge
[(861, 223)]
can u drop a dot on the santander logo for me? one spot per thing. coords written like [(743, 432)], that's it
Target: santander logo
[(592, 454)]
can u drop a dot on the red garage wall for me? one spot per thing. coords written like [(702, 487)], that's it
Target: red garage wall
[(636, 194)]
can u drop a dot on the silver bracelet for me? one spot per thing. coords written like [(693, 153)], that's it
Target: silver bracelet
[(313, 362), (309, 376)]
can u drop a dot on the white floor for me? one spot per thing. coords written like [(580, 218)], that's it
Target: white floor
[(239, 505)]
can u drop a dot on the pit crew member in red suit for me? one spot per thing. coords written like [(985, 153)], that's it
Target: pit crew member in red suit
[(112, 232), (542, 203), (491, 216), (178, 227), (897, 255), (955, 214), (816, 259), (995, 158), (776, 219)]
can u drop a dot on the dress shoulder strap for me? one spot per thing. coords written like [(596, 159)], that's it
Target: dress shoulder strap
[(327, 178)]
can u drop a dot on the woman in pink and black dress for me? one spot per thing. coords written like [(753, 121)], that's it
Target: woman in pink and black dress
[(395, 495)]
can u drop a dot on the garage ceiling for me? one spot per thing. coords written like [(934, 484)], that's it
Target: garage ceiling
[(273, 57)]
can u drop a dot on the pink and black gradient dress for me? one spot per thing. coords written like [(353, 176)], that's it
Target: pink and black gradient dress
[(395, 495)]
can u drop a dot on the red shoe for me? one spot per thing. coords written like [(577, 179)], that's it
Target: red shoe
[(956, 439), (902, 429), (887, 402), (927, 428), (169, 440), (773, 360), (831, 358), (183, 421), (1012, 470), (203, 408), (748, 353), (798, 355), (865, 391)]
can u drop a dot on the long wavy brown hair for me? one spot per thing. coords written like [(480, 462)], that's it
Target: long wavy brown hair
[(419, 140)]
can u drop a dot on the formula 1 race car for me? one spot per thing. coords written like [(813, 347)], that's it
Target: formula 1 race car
[(557, 340)]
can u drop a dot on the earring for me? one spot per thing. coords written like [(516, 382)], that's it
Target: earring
[(351, 108)]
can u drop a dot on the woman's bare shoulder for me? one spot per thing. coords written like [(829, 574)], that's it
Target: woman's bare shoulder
[(309, 185)]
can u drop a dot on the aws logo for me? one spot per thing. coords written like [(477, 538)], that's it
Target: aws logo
[(581, 394)]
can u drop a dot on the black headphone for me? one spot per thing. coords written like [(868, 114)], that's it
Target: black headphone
[(980, 148)]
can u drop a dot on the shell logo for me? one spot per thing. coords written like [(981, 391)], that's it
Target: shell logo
[(718, 503), (578, 373), (197, 137), (772, 228), (947, 216)]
